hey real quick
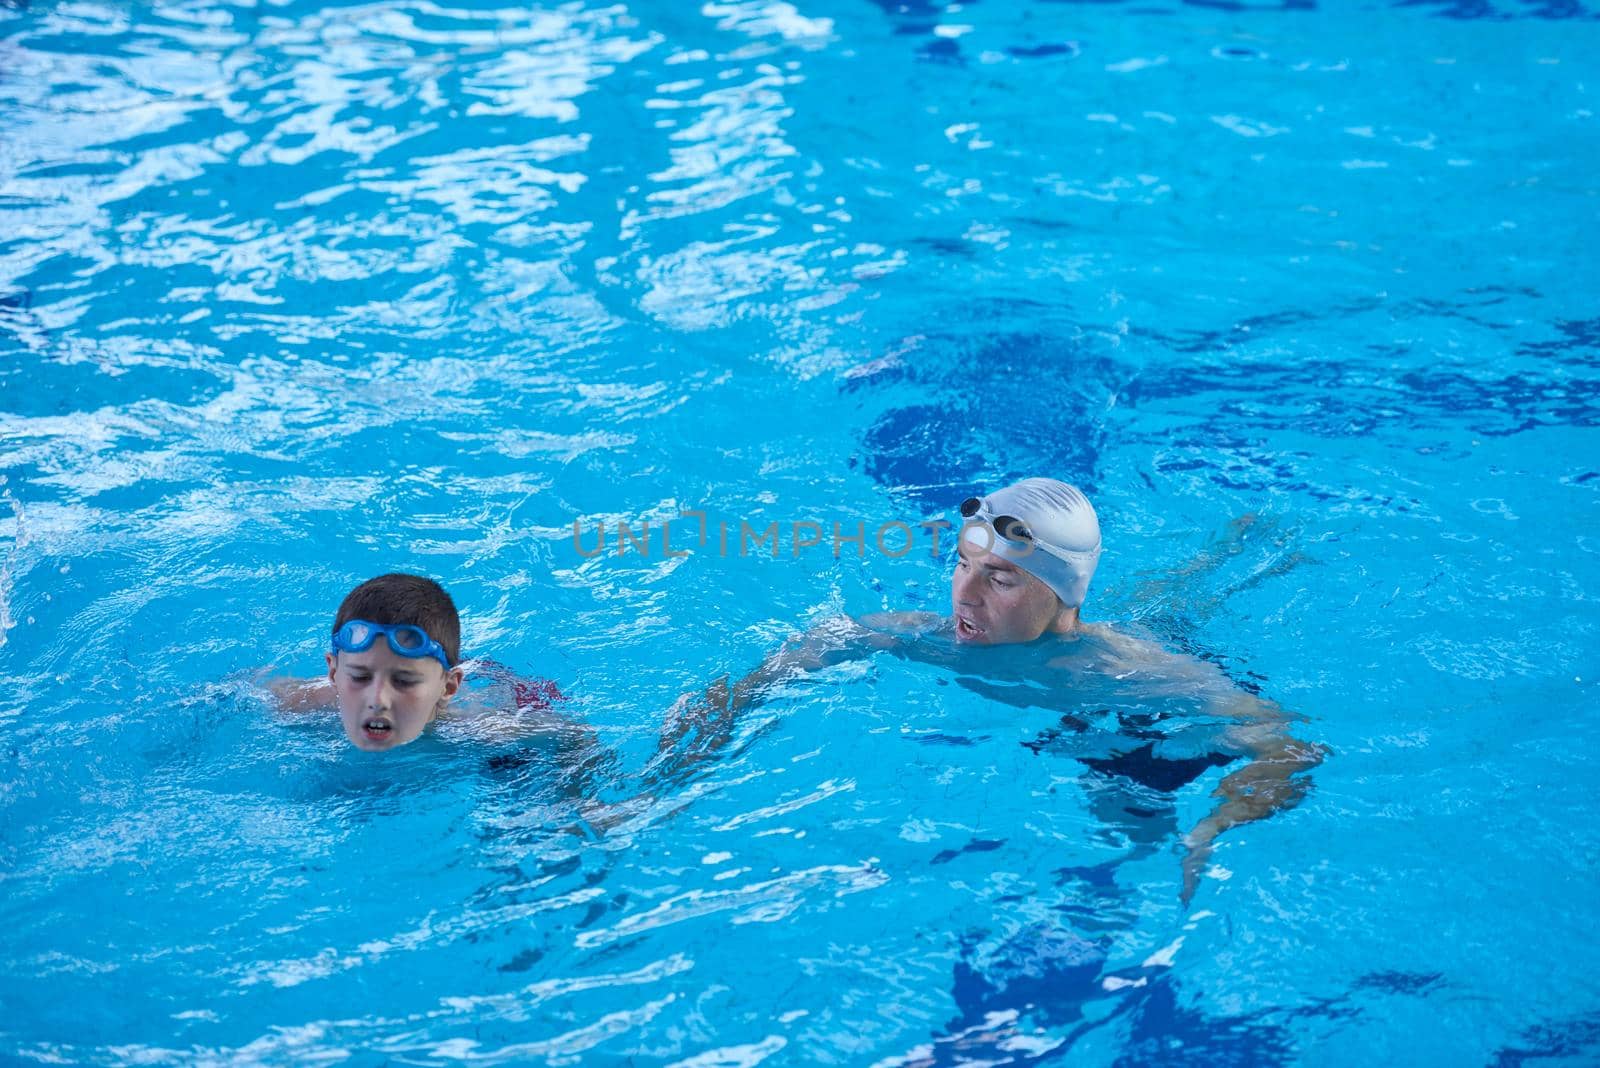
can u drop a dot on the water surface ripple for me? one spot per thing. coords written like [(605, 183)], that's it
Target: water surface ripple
[(294, 292)]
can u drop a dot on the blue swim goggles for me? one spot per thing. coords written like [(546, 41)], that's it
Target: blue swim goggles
[(357, 636)]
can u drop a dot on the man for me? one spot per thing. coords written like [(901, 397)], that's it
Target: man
[(1026, 555)]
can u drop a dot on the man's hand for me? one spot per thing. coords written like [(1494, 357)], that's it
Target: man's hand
[(1264, 786), (698, 723)]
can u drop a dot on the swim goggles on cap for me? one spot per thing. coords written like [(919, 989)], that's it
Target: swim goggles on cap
[(1065, 571), (1008, 527), (357, 636)]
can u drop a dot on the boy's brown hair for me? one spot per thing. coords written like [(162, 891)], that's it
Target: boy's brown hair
[(399, 598)]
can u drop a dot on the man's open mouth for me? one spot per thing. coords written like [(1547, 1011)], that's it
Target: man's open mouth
[(965, 628)]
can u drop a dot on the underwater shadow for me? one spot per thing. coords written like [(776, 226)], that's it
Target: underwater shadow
[(1013, 403)]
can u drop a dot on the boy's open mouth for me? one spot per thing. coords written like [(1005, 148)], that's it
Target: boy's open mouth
[(377, 728)]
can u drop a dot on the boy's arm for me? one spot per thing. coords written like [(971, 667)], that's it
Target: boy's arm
[(705, 722)]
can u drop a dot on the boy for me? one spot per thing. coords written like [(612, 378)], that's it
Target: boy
[(1026, 555), (394, 663)]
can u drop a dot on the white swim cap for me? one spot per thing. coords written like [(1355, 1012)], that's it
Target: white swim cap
[(1042, 525)]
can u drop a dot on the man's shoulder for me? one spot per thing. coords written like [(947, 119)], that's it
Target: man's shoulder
[(1127, 651), (1118, 638), (1104, 647)]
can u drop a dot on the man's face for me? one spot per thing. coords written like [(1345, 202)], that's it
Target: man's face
[(995, 602), (385, 700)]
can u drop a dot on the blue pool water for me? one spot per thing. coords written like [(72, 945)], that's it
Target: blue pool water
[(293, 293)]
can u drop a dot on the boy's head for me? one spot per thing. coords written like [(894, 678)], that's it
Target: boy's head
[(1027, 553), (394, 661)]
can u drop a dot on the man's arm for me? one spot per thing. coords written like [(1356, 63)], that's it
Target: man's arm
[(1271, 782), (697, 727), (1273, 779), (508, 707), (301, 695)]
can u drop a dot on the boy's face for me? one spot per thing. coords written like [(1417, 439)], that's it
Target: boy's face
[(385, 700), (995, 602)]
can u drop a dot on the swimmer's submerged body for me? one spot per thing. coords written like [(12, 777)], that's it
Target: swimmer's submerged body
[(1027, 553)]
